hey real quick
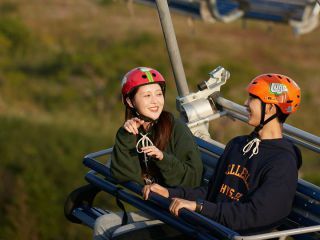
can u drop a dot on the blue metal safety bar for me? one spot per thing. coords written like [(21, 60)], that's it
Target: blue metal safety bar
[(197, 220), (303, 222)]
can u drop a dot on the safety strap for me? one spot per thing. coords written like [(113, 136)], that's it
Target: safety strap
[(142, 117), (121, 206), (254, 136), (255, 133)]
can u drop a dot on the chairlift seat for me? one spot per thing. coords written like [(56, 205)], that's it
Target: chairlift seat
[(189, 7), (80, 209), (301, 15)]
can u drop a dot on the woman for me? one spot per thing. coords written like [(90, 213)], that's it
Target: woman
[(152, 146)]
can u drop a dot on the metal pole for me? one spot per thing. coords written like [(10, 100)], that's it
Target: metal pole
[(172, 46), (309, 140)]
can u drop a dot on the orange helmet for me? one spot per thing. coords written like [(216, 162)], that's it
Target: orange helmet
[(276, 89)]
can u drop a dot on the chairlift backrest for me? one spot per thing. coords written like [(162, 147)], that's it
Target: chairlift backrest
[(301, 15)]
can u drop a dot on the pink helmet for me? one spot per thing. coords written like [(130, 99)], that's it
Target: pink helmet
[(141, 76)]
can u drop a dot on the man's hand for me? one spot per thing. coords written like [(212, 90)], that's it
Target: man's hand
[(156, 188), (178, 203)]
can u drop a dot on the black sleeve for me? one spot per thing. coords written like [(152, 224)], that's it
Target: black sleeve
[(188, 193), (203, 192)]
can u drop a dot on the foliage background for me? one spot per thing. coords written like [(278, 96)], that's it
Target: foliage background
[(61, 62)]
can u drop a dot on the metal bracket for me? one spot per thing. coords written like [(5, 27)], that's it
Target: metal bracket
[(198, 108)]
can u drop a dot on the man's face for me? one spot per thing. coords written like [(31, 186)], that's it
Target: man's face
[(253, 106)]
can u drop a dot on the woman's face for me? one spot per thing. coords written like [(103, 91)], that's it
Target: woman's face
[(253, 106), (149, 100)]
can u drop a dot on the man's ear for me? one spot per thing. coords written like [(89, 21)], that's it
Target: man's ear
[(271, 108), (128, 100)]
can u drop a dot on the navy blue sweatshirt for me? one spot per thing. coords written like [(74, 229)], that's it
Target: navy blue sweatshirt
[(249, 195)]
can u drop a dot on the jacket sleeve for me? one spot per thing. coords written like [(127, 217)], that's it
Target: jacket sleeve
[(183, 166), (202, 192), (191, 194), (125, 165), (269, 204)]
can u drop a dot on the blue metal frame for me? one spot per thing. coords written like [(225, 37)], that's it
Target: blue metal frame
[(186, 217), (305, 212), (278, 11)]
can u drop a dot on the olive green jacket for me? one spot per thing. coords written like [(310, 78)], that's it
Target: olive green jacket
[(181, 164)]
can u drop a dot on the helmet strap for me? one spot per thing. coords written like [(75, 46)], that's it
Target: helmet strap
[(141, 116), (263, 122)]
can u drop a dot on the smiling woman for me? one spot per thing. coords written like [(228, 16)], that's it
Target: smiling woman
[(151, 146), (148, 101)]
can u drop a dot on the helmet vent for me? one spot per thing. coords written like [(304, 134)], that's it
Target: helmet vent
[(144, 76), (298, 96), (288, 80), (289, 101), (279, 76), (153, 74), (254, 83), (269, 75)]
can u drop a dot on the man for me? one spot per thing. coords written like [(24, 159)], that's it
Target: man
[(255, 180)]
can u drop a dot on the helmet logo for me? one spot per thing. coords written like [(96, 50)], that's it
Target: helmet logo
[(278, 88)]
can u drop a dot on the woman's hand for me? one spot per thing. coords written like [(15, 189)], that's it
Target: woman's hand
[(132, 125), (178, 203), (156, 188), (153, 151)]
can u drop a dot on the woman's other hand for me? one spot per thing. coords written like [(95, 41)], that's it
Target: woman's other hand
[(153, 151), (156, 188), (132, 125)]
